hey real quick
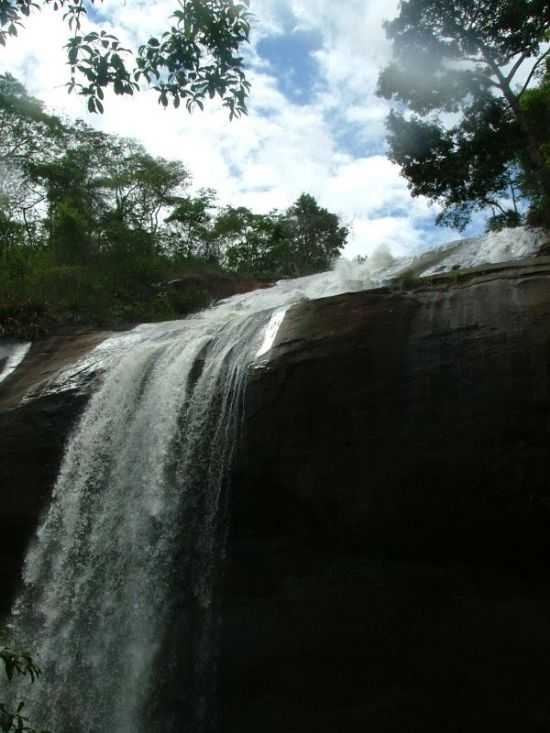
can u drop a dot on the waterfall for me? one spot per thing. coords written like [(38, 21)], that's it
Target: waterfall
[(118, 596), (123, 567)]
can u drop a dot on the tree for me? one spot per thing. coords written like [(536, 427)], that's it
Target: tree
[(24, 125), (303, 240), (246, 240), (190, 223), (535, 104), (136, 187), (28, 135), (315, 236), (74, 202), (474, 60), (197, 57)]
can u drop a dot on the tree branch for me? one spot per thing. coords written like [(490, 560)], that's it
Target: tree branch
[(493, 202), (532, 72), (503, 83), (491, 82), (515, 67)]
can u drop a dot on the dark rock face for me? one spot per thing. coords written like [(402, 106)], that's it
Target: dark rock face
[(33, 439), (389, 544), (216, 285), (198, 290), (390, 516)]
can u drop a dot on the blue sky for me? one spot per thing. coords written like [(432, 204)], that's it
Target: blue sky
[(291, 57), (314, 125)]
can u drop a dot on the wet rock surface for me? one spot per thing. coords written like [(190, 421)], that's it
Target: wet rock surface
[(390, 514)]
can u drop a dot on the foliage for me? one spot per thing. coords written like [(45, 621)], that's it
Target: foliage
[(248, 241), (470, 138), (190, 222), (91, 226), (17, 664), (24, 123), (195, 58), (314, 236), (535, 104), (301, 241)]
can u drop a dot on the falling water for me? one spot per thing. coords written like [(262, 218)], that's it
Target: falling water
[(12, 354), (124, 567)]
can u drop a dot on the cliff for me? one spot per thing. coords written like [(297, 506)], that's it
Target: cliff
[(389, 508), (390, 514)]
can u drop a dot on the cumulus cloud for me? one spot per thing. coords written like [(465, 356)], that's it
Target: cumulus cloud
[(332, 146)]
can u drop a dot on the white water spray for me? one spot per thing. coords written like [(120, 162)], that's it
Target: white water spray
[(12, 354)]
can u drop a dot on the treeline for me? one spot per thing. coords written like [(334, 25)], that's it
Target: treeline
[(90, 222)]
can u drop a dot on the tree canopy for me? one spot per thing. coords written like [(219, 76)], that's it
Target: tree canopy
[(90, 223), (463, 129), (197, 57), (302, 240)]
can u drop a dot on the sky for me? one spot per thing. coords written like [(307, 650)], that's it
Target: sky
[(315, 124)]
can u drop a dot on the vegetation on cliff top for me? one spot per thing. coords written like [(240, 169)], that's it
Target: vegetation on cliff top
[(92, 227)]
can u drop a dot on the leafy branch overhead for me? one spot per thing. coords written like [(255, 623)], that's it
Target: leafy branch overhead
[(463, 128), (196, 58)]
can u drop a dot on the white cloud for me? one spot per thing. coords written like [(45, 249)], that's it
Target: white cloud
[(281, 149)]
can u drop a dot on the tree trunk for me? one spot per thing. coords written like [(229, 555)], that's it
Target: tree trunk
[(535, 159)]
